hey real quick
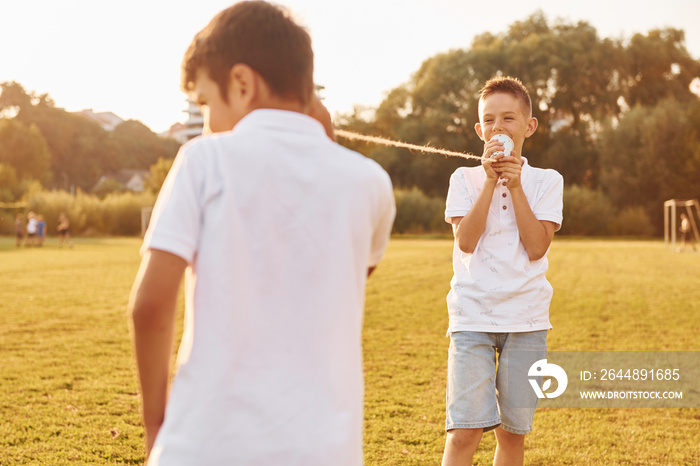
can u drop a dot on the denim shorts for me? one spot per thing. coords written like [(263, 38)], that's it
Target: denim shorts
[(479, 393)]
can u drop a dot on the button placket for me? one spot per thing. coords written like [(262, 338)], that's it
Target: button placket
[(504, 198)]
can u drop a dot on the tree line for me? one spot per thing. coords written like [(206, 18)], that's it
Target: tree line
[(42, 143), (618, 118)]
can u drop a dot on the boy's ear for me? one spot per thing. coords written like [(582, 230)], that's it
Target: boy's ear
[(243, 84), (531, 127), (477, 128)]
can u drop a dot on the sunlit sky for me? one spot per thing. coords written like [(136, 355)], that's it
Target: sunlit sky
[(124, 56)]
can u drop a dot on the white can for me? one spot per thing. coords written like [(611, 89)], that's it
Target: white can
[(507, 142)]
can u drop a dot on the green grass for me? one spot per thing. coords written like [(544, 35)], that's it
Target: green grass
[(67, 389), (68, 392)]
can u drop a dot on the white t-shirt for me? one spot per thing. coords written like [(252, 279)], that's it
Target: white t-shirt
[(498, 288), (32, 226), (279, 225)]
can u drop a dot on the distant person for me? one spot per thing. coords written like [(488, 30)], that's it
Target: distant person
[(504, 214), (40, 230), (63, 231), (19, 229), (278, 227), (31, 229), (686, 236)]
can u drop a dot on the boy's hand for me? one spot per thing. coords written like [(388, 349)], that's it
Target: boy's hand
[(320, 113), (509, 168), (490, 164)]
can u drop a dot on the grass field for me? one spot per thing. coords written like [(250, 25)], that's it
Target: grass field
[(68, 392)]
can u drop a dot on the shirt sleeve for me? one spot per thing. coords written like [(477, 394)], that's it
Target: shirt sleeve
[(459, 201), (175, 223), (550, 205), (385, 220)]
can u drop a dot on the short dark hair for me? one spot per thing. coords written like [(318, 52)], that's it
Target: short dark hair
[(260, 35), (508, 85)]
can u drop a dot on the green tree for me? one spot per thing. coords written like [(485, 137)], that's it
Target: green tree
[(651, 156), (25, 149), (108, 186), (139, 147), (81, 151), (659, 66), (9, 183), (158, 173), (14, 98), (586, 212)]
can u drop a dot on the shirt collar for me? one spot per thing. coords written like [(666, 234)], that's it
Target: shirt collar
[(525, 169), (280, 120)]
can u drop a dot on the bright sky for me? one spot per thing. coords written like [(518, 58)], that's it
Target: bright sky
[(125, 56)]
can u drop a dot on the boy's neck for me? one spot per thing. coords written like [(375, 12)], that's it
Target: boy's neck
[(279, 103), (266, 98)]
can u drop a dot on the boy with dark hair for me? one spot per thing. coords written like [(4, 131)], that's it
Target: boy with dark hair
[(278, 228), (261, 36), (504, 215)]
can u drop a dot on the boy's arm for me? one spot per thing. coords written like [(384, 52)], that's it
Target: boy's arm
[(535, 234), (468, 229), (152, 309)]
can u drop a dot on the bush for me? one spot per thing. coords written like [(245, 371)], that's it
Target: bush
[(418, 213), (632, 221), (9, 183), (116, 214), (589, 212), (586, 212), (122, 212), (108, 186)]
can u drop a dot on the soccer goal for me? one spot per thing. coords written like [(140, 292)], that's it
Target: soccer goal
[(692, 209)]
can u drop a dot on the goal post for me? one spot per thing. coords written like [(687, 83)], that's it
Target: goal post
[(692, 210)]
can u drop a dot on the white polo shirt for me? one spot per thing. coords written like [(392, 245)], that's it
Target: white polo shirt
[(498, 288), (279, 225)]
